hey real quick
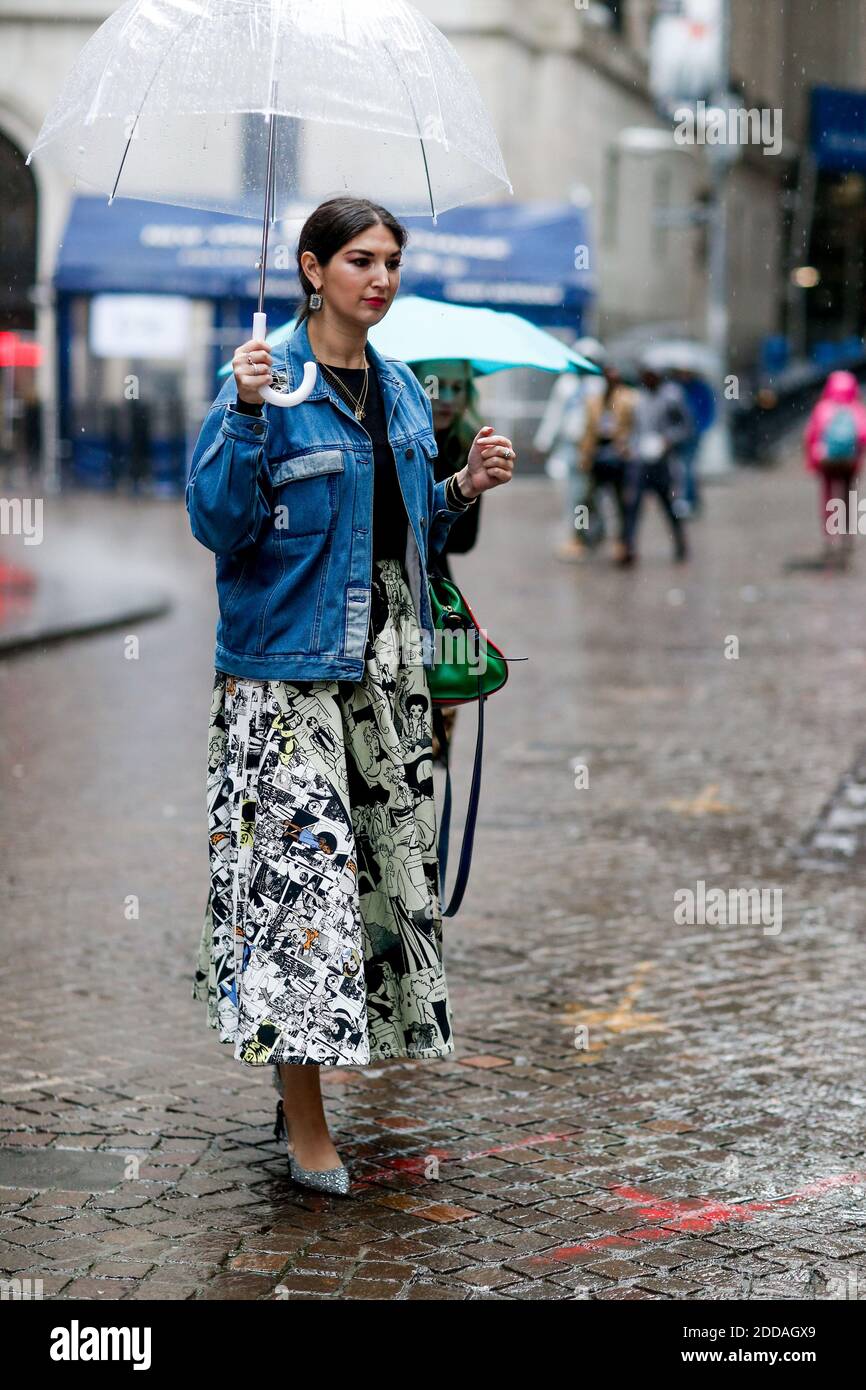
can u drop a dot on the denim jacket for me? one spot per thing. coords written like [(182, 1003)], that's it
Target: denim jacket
[(285, 501)]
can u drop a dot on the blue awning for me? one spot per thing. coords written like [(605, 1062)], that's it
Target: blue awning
[(839, 128), (531, 258)]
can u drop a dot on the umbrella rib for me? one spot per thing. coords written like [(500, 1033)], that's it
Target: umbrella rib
[(129, 19), (196, 20), (427, 176), (270, 168), (417, 127), (432, 76), (423, 47)]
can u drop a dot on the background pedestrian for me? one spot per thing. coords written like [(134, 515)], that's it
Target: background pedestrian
[(834, 440)]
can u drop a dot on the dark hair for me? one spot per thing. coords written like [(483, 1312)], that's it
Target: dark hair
[(331, 225)]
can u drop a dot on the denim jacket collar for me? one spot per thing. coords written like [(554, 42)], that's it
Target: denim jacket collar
[(298, 350)]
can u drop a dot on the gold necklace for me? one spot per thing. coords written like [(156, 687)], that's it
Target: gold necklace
[(357, 402)]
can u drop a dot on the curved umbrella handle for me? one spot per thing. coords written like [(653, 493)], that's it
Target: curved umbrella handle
[(284, 398)]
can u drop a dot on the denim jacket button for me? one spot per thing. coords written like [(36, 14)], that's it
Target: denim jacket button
[(410, 453), (423, 521)]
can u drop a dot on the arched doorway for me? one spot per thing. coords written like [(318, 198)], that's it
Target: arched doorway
[(19, 407), (17, 240)]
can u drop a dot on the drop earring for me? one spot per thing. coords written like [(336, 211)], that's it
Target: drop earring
[(316, 300)]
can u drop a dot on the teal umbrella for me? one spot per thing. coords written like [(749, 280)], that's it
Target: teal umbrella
[(424, 330)]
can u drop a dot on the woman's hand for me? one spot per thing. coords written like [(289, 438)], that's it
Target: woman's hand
[(251, 365), (490, 463)]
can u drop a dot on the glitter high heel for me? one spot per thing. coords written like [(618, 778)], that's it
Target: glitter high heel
[(332, 1180)]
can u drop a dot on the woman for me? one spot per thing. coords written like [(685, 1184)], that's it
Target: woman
[(453, 397), (835, 439), (605, 449), (661, 422), (450, 387), (558, 437), (322, 940)]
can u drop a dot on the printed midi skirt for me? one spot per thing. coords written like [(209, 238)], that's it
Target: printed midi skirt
[(322, 938)]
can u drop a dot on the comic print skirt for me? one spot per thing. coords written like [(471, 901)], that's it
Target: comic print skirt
[(322, 938)]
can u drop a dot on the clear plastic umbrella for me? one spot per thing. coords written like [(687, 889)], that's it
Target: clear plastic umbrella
[(253, 107)]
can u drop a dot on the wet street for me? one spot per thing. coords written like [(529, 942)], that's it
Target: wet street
[(645, 1101)]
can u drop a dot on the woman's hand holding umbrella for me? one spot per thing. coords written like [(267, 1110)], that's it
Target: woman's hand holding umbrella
[(490, 463), (251, 365)]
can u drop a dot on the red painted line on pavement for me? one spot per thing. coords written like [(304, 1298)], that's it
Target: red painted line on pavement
[(417, 1163), (690, 1214), (529, 1141)]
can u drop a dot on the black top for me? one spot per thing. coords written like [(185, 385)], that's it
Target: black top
[(390, 522), (389, 511)]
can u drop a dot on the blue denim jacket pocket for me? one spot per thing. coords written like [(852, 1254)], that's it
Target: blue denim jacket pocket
[(306, 491)]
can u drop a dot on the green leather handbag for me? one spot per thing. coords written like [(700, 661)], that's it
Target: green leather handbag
[(467, 666), (463, 654)]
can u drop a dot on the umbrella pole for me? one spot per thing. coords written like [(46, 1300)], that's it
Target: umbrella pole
[(269, 194), (260, 322)]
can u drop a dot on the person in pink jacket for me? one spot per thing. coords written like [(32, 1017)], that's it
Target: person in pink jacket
[(835, 441)]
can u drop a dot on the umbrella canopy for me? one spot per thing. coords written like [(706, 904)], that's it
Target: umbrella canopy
[(172, 101), (663, 346), (418, 330), (681, 354)]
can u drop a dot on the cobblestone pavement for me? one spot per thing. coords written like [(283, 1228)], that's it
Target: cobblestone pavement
[(639, 1107)]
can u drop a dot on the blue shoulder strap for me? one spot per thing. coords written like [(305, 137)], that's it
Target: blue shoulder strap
[(471, 810)]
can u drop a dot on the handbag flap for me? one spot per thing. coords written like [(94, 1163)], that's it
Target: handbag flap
[(463, 653)]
